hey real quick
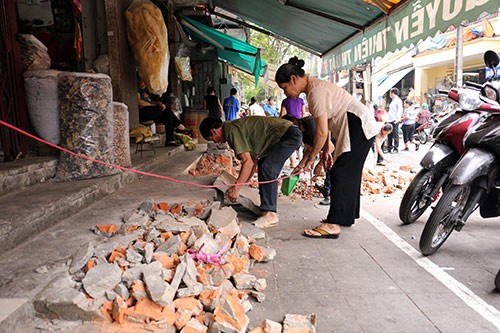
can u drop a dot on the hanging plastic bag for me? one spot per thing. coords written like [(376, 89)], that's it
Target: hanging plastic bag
[(182, 64), (148, 38)]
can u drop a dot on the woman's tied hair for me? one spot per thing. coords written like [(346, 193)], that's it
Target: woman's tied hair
[(293, 67)]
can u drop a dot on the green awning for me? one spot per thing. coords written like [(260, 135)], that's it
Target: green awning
[(349, 33), (242, 55)]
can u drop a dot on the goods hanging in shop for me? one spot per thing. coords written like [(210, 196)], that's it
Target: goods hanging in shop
[(147, 35), (42, 102), (86, 115), (121, 142), (33, 53)]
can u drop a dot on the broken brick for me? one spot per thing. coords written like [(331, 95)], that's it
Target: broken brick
[(230, 313), (256, 252), (148, 309), (119, 309), (194, 326), (189, 303)]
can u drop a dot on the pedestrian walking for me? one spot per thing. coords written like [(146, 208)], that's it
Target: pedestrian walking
[(394, 117), (408, 124), (212, 104), (255, 109), (270, 108), (231, 105)]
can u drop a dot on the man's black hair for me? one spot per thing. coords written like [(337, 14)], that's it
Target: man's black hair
[(233, 91), (395, 91), (209, 124)]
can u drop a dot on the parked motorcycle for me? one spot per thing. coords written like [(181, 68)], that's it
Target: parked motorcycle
[(474, 181), (424, 131), (441, 157)]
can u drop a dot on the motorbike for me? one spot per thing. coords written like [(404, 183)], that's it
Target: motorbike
[(474, 181), (424, 131), (441, 157)]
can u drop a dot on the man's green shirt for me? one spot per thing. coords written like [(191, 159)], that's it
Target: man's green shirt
[(254, 134)]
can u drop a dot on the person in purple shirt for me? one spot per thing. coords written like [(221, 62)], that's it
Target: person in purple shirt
[(294, 107), (231, 105)]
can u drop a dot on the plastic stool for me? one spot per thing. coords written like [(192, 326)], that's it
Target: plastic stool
[(140, 145)]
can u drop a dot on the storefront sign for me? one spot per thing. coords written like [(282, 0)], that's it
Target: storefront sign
[(416, 21)]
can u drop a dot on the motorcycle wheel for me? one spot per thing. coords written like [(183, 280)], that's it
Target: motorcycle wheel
[(413, 204), (441, 223), (497, 281), (422, 137)]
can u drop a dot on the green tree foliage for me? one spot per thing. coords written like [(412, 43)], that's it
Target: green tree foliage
[(275, 51)]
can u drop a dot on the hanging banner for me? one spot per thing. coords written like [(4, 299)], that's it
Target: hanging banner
[(416, 21)]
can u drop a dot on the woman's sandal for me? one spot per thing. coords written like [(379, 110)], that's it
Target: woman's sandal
[(322, 233)]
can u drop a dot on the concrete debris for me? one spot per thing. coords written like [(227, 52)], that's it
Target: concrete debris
[(259, 297), (249, 198), (213, 165), (80, 258), (299, 323), (147, 275), (60, 300), (102, 278), (106, 230), (386, 182)]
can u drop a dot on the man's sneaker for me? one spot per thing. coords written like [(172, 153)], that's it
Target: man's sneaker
[(324, 192), (417, 146), (325, 201)]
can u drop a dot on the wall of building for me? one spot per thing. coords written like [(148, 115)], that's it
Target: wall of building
[(122, 66)]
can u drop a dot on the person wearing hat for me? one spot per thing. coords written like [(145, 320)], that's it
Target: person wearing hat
[(423, 115)]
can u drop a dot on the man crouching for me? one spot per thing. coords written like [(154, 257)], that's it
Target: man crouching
[(265, 142)]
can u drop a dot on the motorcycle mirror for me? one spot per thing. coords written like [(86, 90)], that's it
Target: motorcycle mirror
[(491, 59)]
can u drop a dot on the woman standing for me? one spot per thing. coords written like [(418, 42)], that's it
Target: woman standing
[(353, 127)]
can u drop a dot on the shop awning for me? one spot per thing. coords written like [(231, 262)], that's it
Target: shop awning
[(349, 33), (389, 81), (242, 55)]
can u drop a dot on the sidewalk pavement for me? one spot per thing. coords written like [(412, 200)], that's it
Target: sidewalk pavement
[(360, 282)]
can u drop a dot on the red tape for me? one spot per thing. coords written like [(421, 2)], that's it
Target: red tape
[(12, 127)]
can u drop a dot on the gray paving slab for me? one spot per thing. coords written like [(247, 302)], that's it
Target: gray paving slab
[(388, 313), (454, 317)]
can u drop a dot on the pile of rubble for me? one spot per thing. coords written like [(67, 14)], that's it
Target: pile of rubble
[(217, 159), (178, 267), (388, 182), (212, 165)]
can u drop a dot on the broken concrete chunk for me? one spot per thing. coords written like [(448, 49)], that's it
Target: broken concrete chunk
[(194, 326), (152, 234), (270, 326), (172, 246), (198, 226), (189, 277), (210, 245), (101, 278), (119, 309), (208, 210), (159, 291), (244, 281), (299, 323), (249, 198), (147, 206), (259, 297), (173, 226), (122, 290), (191, 291), (134, 219), (148, 252), (222, 217), (260, 284), (81, 256), (134, 273), (59, 299), (133, 256), (260, 253)]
